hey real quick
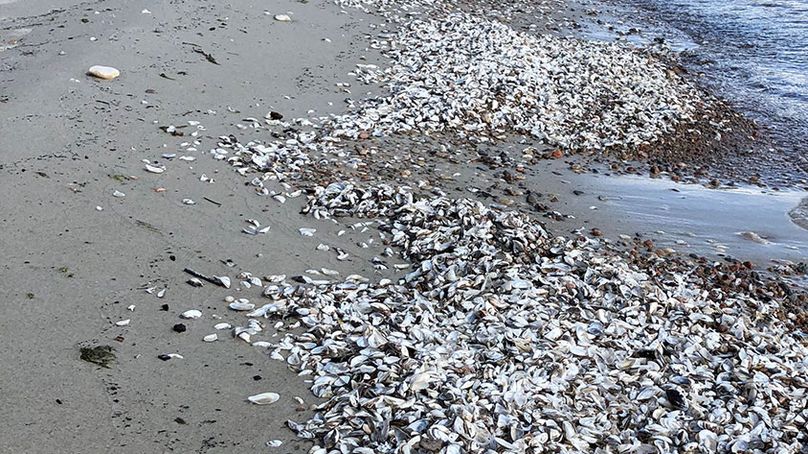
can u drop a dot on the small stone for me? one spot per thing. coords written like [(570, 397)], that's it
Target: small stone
[(180, 328), (104, 72), (283, 18)]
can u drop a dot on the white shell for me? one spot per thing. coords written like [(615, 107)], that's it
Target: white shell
[(305, 231), (154, 169), (221, 326), (225, 281), (191, 314), (211, 338), (241, 305), (283, 18), (264, 398), (123, 322)]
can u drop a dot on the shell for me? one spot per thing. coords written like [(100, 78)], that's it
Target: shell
[(191, 314), (154, 169), (264, 398)]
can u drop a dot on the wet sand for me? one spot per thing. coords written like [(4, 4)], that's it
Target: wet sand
[(70, 271)]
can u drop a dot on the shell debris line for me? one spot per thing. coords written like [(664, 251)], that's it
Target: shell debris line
[(502, 337)]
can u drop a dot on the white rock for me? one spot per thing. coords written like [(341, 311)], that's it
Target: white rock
[(104, 72)]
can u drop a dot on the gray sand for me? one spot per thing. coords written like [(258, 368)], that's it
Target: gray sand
[(70, 271)]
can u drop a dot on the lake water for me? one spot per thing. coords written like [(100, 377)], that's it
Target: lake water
[(753, 52)]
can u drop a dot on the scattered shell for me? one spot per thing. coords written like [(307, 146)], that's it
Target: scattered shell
[(241, 305), (167, 356), (191, 314), (155, 169), (264, 398), (305, 231), (223, 280), (123, 322), (211, 338), (283, 18)]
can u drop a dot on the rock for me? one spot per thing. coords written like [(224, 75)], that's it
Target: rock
[(283, 18), (752, 236), (104, 72)]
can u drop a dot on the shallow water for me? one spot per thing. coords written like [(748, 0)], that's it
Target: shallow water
[(753, 52), (692, 218)]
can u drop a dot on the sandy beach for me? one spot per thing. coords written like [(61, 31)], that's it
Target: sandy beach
[(225, 120)]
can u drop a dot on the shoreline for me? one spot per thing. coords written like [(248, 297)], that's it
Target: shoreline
[(767, 155), (83, 145)]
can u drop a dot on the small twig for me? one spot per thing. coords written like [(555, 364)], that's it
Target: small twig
[(212, 201), (207, 56), (202, 276)]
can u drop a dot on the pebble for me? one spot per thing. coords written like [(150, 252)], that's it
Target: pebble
[(104, 72)]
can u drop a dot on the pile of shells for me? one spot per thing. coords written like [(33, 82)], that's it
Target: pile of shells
[(505, 339), (480, 78), (502, 337)]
